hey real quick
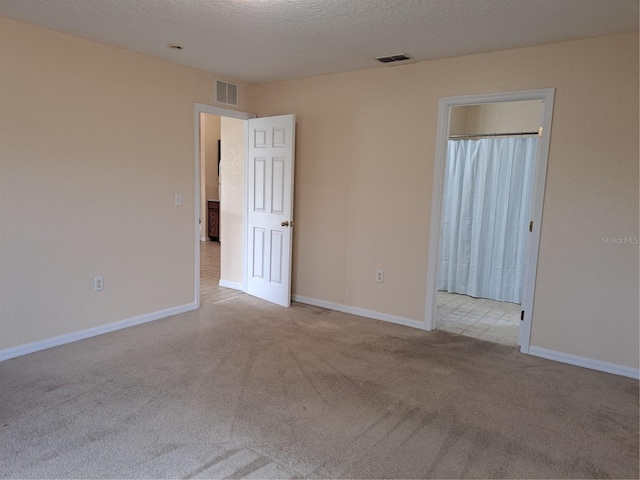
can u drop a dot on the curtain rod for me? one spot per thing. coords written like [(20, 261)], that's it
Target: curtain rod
[(471, 135)]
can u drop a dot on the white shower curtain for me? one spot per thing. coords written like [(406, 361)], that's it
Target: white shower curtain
[(485, 220)]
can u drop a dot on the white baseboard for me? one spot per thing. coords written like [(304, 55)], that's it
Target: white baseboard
[(361, 312), (204, 239), (228, 284), (535, 351), (20, 350), (92, 332), (585, 362)]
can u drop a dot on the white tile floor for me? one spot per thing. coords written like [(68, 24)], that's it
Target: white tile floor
[(480, 318), (210, 289)]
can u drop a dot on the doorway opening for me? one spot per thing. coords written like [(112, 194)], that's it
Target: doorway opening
[(212, 171), (485, 219), (488, 191), (255, 202), (220, 188)]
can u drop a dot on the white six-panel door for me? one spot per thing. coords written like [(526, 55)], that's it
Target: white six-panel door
[(270, 208)]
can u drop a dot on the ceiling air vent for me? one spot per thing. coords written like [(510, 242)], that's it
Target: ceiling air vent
[(394, 59), (226, 93)]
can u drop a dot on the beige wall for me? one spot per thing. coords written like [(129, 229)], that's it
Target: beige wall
[(364, 173), (503, 117), (212, 135), (94, 143), (204, 225), (458, 121), (232, 199), (209, 136)]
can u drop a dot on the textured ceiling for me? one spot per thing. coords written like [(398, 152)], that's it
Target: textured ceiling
[(266, 40)]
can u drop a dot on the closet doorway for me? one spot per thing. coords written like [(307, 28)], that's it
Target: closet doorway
[(490, 189)]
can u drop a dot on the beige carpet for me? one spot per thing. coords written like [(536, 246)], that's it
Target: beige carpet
[(245, 389)]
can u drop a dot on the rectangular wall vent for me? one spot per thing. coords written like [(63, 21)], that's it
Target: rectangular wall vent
[(226, 93), (402, 57)]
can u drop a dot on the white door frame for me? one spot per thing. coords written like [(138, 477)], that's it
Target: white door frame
[(199, 108), (546, 95)]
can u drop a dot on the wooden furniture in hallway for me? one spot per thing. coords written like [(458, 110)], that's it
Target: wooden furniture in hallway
[(214, 219)]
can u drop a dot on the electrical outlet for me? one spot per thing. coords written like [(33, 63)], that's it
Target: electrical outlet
[(178, 200), (98, 284), (380, 276)]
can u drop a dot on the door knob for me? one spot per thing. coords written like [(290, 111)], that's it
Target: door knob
[(285, 223)]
